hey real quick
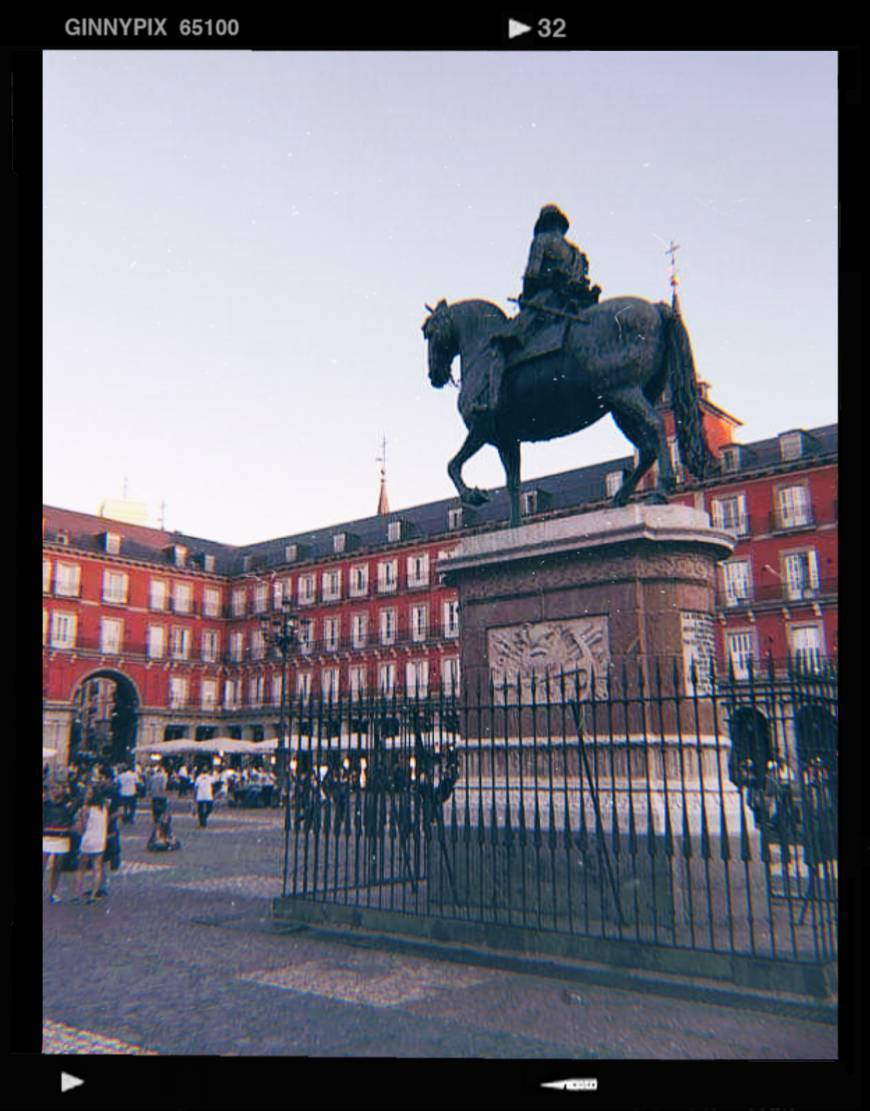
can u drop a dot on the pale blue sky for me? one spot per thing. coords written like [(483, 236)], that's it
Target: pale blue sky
[(238, 247)]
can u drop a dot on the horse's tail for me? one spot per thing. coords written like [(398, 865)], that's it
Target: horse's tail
[(685, 395)]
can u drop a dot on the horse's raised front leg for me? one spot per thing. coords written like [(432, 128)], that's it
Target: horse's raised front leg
[(509, 453), (474, 441), (637, 418)]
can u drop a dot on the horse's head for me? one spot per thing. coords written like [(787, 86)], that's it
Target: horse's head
[(440, 334)]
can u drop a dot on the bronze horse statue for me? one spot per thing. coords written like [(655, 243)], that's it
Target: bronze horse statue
[(617, 357)]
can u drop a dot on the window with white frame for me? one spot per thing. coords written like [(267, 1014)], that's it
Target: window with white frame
[(454, 518), (156, 642), (357, 682), (208, 693), (731, 458), (305, 634), (741, 652), (179, 642), (115, 585), (676, 461), (359, 626), (276, 690), (388, 576), (332, 585), (303, 684), (281, 589), (417, 678), (359, 580), (44, 626), (331, 633), (419, 622), (339, 542), (388, 626), (255, 690), (801, 575), (306, 590), (329, 683), (211, 602), (394, 531), (450, 619), (386, 679), (158, 594), (261, 597), (46, 576), (239, 602), (232, 694), (793, 507), (737, 581), (178, 691), (791, 445), (443, 554), (450, 675), (418, 570), (612, 482), (112, 543), (807, 645), (67, 577), (529, 502), (237, 646), (730, 513), (211, 643), (182, 597), (111, 635), (63, 630), (258, 644), (208, 561)]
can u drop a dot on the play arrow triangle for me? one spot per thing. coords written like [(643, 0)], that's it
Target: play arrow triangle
[(516, 28), (67, 1081)]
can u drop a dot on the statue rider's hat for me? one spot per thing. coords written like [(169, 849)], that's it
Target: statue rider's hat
[(551, 216)]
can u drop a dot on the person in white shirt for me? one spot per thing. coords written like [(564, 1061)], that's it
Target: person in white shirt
[(94, 819), (203, 793), (127, 783)]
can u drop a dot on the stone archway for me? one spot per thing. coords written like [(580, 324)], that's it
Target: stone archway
[(816, 737), (105, 724), (750, 746)]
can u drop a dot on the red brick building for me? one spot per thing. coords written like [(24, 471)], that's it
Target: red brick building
[(150, 635)]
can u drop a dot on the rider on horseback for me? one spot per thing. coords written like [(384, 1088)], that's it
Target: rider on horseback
[(556, 278)]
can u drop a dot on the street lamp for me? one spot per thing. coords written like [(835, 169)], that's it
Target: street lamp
[(280, 632)]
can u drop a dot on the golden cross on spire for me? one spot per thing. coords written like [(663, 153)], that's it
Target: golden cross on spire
[(672, 251), (382, 458)]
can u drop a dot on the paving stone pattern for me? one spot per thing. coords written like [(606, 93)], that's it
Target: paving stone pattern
[(183, 958)]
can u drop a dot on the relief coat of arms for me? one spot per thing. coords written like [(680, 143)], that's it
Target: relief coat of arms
[(577, 647)]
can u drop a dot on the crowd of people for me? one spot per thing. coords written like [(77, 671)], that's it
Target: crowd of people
[(85, 808)]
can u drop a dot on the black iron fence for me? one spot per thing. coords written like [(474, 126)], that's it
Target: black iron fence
[(696, 813)]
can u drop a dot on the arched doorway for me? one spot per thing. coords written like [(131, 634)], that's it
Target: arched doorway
[(816, 737), (105, 724), (750, 746)]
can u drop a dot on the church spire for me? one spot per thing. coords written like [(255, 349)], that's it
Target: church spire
[(383, 500)]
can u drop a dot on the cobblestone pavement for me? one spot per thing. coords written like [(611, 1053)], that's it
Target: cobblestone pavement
[(183, 958)]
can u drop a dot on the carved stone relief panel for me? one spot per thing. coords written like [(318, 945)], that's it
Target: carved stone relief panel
[(575, 647)]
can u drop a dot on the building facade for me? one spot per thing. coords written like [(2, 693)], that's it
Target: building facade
[(151, 635)]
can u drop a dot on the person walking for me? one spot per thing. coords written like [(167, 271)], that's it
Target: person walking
[(158, 783), (127, 786), (203, 793), (57, 834), (94, 821)]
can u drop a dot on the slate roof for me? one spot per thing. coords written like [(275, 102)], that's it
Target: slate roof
[(557, 493)]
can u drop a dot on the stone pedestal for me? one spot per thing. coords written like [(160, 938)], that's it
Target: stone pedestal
[(621, 594)]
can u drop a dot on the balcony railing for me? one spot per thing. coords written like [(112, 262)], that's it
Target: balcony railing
[(782, 521), (779, 593)]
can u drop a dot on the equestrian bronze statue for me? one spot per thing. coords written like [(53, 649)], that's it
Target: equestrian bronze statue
[(563, 363)]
